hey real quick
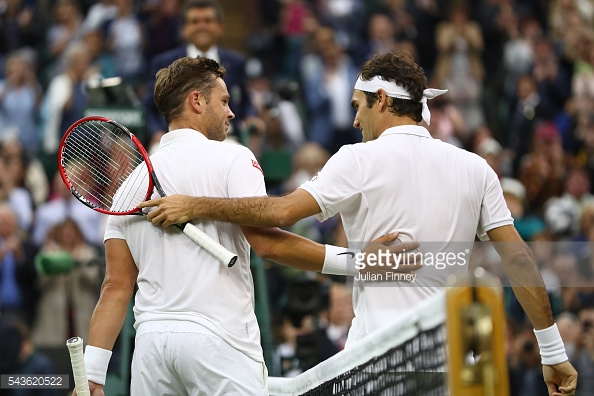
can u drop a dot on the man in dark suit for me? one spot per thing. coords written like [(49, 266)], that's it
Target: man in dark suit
[(202, 27)]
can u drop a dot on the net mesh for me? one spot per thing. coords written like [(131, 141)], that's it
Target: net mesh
[(104, 167), (406, 358)]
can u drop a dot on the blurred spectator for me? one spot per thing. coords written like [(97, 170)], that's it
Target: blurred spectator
[(542, 171), (280, 102), (566, 268), (291, 120), (585, 157), (427, 15), (125, 40), (10, 345), (518, 54), (568, 325), (403, 17), (65, 31), (563, 214), (566, 15), (286, 362), (68, 294), (65, 98), (162, 24), (26, 170), (308, 161), (99, 13), (582, 84), (102, 62), (292, 21), (447, 122), (583, 359), (525, 111), (382, 35), (499, 23), (32, 362), (553, 81), (18, 295), (20, 26), (459, 67), (514, 194), (328, 78), (14, 195), (525, 369), (347, 19), (314, 324), (62, 206), (340, 315), (20, 96), (202, 27), (491, 151)]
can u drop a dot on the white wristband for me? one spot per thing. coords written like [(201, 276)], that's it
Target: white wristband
[(96, 362), (552, 350), (340, 261)]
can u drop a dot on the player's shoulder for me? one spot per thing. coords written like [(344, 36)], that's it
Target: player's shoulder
[(236, 156), (229, 151), (461, 152), (235, 151)]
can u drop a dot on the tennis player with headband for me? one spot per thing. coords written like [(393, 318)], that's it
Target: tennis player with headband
[(399, 178)]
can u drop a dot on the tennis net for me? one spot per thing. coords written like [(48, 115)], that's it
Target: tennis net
[(407, 357)]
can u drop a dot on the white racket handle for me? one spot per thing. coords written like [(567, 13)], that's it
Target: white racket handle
[(77, 359), (208, 244)]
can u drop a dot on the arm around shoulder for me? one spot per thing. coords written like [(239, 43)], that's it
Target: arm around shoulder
[(253, 211)]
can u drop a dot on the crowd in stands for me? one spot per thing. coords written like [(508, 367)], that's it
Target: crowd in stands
[(520, 75)]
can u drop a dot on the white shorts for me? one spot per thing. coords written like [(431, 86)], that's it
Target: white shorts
[(175, 358)]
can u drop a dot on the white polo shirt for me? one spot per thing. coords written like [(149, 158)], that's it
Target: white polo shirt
[(406, 181), (178, 280)]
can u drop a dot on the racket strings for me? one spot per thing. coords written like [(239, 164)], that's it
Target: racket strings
[(105, 167), (99, 158)]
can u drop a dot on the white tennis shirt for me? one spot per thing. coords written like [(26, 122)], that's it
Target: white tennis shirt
[(178, 280), (406, 181)]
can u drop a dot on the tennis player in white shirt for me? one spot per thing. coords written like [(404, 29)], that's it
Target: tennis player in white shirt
[(401, 179), (196, 331)]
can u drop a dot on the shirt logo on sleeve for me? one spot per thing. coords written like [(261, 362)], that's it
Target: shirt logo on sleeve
[(256, 165)]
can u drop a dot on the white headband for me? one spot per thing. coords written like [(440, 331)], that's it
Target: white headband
[(396, 91)]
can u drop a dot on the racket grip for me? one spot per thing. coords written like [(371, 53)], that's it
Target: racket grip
[(208, 244), (79, 371)]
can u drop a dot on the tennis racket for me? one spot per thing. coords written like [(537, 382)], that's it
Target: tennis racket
[(81, 383), (106, 167)]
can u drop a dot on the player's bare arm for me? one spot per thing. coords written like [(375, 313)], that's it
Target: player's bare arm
[(298, 252), (254, 211), (520, 268), (116, 293), (529, 288)]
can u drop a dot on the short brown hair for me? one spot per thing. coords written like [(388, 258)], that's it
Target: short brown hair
[(176, 81), (400, 68), (190, 4)]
